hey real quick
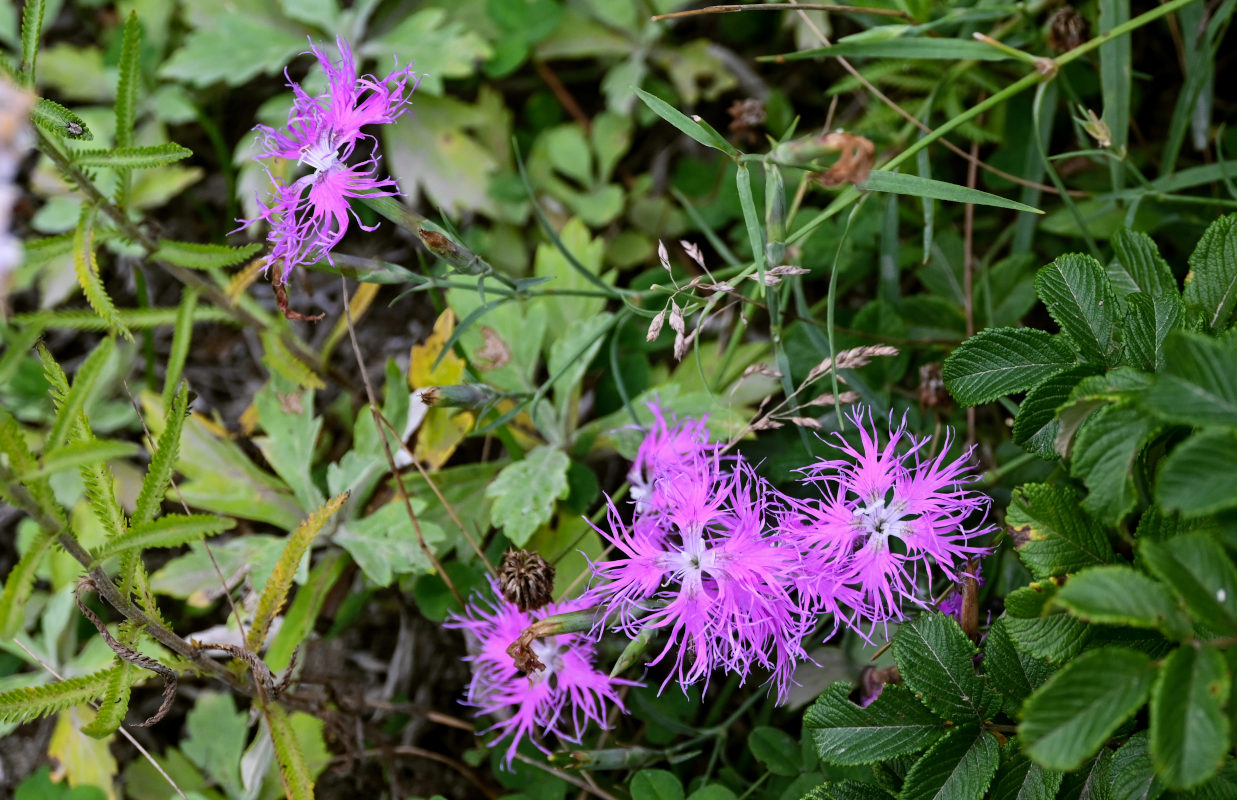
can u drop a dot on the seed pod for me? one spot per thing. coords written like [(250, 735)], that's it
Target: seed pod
[(526, 579)]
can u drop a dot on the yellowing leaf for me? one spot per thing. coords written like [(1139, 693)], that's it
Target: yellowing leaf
[(83, 760), (443, 428)]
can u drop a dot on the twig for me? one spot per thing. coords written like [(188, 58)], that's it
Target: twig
[(563, 95), (876, 12)]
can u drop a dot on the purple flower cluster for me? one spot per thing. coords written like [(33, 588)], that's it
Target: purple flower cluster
[(310, 215), (735, 574)]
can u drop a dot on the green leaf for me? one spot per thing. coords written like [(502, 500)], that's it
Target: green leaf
[(1010, 671), (86, 266), (1142, 267), (1189, 726), (204, 256), (1199, 383), (706, 136), (895, 724), (127, 82), (1037, 630), (145, 157), (280, 361), (1071, 716), (524, 493), (1023, 779), (776, 750), (1198, 477), (301, 616), (445, 46), (915, 186), (1146, 324), (31, 702), (298, 783), (214, 739), (935, 659), (275, 592), (1121, 595), (1198, 569), (235, 49), (292, 430), (1079, 297), (134, 318), (77, 454), (847, 790), (162, 462), (1104, 458), (1001, 361), (1036, 425), (1211, 285), (31, 29), (173, 530), (655, 784), (115, 701), (70, 418), (385, 543), (56, 119), (19, 583), (960, 766), (1131, 776), (903, 48), (1057, 536)]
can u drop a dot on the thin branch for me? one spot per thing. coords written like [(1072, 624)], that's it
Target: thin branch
[(876, 12)]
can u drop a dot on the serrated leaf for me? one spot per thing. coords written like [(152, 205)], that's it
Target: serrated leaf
[(1104, 457), (162, 462), (214, 739), (916, 186), (86, 266), (1022, 779), (1142, 265), (1058, 536), (191, 255), (19, 583), (1198, 477), (237, 48), (56, 119), (960, 767), (385, 543), (1121, 595), (524, 493), (1068, 718), (1211, 285), (776, 750), (127, 82), (31, 29), (1146, 324), (133, 318), (1036, 425), (1055, 638), (1076, 291), (31, 702), (77, 454), (279, 360), (70, 420), (1199, 570), (275, 593), (847, 790), (1001, 361), (144, 157), (1198, 385), (298, 782), (114, 703), (935, 659), (1012, 672), (291, 433), (1130, 776), (1189, 726), (172, 530), (895, 724)]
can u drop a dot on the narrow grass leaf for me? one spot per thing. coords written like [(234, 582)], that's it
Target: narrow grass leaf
[(916, 186), (706, 136)]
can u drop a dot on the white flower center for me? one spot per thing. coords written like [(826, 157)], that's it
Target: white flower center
[(551, 654), (322, 154), (881, 520)]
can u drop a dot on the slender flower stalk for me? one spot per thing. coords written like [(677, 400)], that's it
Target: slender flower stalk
[(562, 699), (887, 516), (309, 216)]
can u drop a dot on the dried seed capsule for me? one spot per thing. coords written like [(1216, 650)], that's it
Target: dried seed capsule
[(526, 579)]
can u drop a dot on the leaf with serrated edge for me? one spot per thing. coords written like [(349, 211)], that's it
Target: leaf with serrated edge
[(524, 493), (31, 702), (1121, 595), (1211, 285), (162, 462), (1076, 291), (204, 256), (1200, 571), (894, 724), (1011, 671), (297, 782), (1198, 477), (1036, 425), (1060, 536), (1068, 718), (1198, 385), (173, 530), (1022, 779), (86, 266), (275, 593), (132, 157), (1189, 727), (1140, 259), (936, 660), (1001, 361), (1104, 458), (1146, 324), (960, 766)]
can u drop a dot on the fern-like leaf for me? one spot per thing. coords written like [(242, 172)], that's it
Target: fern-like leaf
[(32, 702), (87, 267), (13, 445), (18, 584), (59, 121), (204, 256), (281, 361), (155, 155), (70, 420), (182, 336), (115, 701), (275, 593), (133, 318), (77, 454), (127, 82), (170, 531), (31, 28), (100, 486), (297, 782), (163, 462)]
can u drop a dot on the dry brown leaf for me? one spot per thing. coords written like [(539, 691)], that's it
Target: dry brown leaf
[(856, 159), (494, 353)]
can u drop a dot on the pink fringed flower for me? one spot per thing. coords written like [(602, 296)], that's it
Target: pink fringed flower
[(310, 215), (669, 448), (701, 565), (889, 512), (561, 699)]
